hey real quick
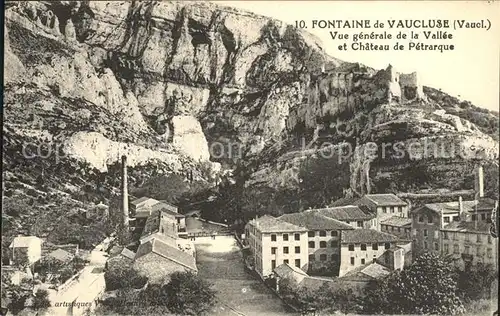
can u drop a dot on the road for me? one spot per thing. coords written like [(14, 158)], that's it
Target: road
[(239, 293)]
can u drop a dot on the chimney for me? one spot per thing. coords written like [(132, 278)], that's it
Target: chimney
[(460, 205), (479, 185), (124, 191)]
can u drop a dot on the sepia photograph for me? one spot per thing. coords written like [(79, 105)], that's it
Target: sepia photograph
[(246, 158)]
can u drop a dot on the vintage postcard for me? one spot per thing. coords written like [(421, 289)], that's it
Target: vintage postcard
[(250, 158)]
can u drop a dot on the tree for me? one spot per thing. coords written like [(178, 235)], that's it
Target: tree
[(474, 282), (123, 277), (41, 300), (428, 286), (187, 294)]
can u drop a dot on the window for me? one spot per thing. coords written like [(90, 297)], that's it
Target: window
[(489, 253), (436, 234), (425, 232), (454, 235), (363, 246), (456, 218), (335, 233), (285, 261), (285, 237), (467, 250), (483, 216), (297, 249), (399, 229), (414, 233), (436, 246), (392, 209), (273, 250), (479, 252), (335, 243), (456, 249), (322, 233), (322, 257), (297, 236), (347, 222), (467, 237), (311, 258), (311, 244), (322, 244), (335, 257), (273, 237), (425, 244), (478, 238), (360, 223), (384, 209), (374, 246), (162, 230), (351, 247), (273, 264), (489, 239), (352, 261), (445, 235), (446, 219), (474, 217), (297, 263), (446, 248), (421, 219), (363, 261), (285, 249), (429, 219), (387, 245), (310, 234), (392, 228)]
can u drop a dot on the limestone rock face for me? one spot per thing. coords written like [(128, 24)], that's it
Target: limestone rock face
[(185, 77)]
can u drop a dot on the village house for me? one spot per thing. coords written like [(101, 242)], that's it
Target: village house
[(144, 207), (398, 226), (272, 242), (323, 239), (384, 206), (469, 243), (360, 247), (430, 219), (27, 248), (350, 214)]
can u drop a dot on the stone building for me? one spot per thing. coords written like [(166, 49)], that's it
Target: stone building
[(384, 206), (350, 214)]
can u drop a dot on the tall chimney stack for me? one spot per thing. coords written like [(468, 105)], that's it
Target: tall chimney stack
[(124, 192), (479, 182), (460, 205)]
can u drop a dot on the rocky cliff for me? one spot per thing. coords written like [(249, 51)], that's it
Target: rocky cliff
[(183, 83)]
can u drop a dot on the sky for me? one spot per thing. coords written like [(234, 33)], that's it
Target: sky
[(470, 72)]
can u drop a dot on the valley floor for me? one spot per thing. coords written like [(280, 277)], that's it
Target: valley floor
[(220, 262)]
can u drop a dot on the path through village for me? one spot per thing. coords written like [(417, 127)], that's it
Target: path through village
[(220, 262)]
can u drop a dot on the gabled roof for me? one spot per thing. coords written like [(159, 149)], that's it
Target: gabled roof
[(141, 200), (61, 255), (366, 236), (345, 213), (127, 253), (285, 269), (473, 227), (385, 199), (162, 205), (376, 271), (397, 221), (314, 221), (168, 252), (484, 204), (269, 224), (25, 241)]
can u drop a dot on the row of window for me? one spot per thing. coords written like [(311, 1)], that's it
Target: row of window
[(285, 237), (467, 236), (324, 257), (353, 261), (322, 244), (285, 250), (392, 209), (392, 228), (467, 250), (322, 233), (387, 245), (273, 263)]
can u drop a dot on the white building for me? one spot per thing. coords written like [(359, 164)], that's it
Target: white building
[(29, 247)]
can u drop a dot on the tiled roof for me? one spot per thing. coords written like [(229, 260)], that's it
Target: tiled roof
[(468, 206), (161, 205), (474, 226), (142, 199), (127, 253), (345, 213), (269, 224), (376, 271), (285, 269), (24, 241), (397, 221), (314, 221), (168, 252), (61, 255), (385, 199), (366, 236)]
